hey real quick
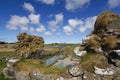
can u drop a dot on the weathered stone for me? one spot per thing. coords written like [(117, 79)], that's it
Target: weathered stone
[(75, 71), (107, 77), (117, 62), (117, 52), (107, 71), (90, 76), (8, 73), (21, 76), (79, 53), (3, 58), (36, 75)]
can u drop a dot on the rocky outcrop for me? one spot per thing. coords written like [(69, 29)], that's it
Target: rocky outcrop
[(105, 39), (110, 35), (29, 46)]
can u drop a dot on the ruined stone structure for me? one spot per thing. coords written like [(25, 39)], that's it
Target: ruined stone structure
[(29, 46)]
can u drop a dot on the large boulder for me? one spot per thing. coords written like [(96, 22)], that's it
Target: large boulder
[(29, 46)]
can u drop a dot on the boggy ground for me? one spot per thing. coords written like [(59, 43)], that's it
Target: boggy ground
[(27, 65)]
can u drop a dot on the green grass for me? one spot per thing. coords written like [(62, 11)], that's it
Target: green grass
[(7, 53), (3, 63), (56, 45), (87, 57), (2, 77), (2, 66), (29, 64)]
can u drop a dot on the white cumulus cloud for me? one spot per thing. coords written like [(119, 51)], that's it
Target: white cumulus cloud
[(80, 24), (41, 28), (48, 33), (29, 7), (68, 30), (88, 24), (54, 23), (74, 22), (75, 4), (34, 18), (32, 30), (59, 18), (16, 22), (47, 1), (113, 3)]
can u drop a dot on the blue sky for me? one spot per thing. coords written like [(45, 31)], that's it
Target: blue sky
[(62, 21)]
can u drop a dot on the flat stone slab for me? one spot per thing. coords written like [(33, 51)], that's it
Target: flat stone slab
[(100, 71)]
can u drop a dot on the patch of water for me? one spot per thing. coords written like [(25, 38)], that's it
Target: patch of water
[(62, 64), (52, 60)]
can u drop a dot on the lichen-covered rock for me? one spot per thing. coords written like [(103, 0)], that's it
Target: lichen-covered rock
[(36, 75), (75, 71), (29, 46), (107, 71)]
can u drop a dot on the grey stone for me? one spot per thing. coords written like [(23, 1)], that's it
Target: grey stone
[(117, 62), (36, 75), (90, 76), (100, 71), (75, 71), (8, 73), (21, 76)]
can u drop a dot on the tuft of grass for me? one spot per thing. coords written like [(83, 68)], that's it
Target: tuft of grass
[(103, 21), (90, 60), (110, 42)]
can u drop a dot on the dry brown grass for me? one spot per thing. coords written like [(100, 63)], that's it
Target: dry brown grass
[(6, 47), (91, 60), (93, 43), (103, 20), (110, 42), (52, 51)]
